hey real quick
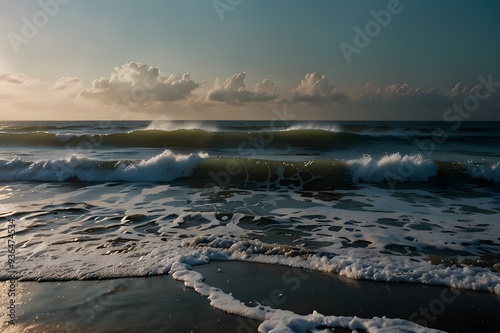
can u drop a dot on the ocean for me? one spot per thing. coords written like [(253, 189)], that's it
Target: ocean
[(415, 202)]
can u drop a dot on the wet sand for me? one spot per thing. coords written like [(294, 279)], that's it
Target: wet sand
[(161, 304), (152, 304), (303, 291)]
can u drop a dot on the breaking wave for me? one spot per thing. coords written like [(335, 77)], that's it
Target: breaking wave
[(199, 169), (166, 166)]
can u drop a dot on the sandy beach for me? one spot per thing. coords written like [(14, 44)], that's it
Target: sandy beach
[(154, 304), (161, 304), (303, 291)]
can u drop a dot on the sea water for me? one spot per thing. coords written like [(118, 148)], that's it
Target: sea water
[(415, 202)]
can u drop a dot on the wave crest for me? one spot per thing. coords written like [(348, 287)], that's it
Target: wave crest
[(199, 169), (166, 166), (487, 172), (394, 166), (168, 126)]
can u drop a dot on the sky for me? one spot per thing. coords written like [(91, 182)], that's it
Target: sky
[(246, 59)]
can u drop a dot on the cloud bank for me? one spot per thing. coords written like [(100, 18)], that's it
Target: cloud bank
[(146, 91)]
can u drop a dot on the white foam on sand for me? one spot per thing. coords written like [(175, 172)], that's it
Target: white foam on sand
[(278, 320), (389, 269), (282, 321), (111, 230), (81, 260), (124, 230)]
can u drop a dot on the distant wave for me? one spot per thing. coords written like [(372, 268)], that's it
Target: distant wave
[(166, 125), (64, 126), (314, 126), (193, 139), (320, 138), (200, 170)]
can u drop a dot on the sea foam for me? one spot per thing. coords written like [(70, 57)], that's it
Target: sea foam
[(167, 125), (166, 166), (276, 320), (395, 166), (486, 172), (314, 126)]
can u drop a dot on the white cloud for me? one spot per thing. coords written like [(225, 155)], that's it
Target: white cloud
[(139, 84), (266, 86), (179, 97), (18, 78), (234, 91), (66, 83), (316, 89)]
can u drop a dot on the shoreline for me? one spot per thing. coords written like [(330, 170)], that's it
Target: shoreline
[(304, 291), (158, 303), (152, 304)]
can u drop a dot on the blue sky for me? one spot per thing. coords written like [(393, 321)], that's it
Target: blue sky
[(427, 45)]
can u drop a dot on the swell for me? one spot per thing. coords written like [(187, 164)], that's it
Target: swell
[(392, 171), (200, 170), (30, 139), (193, 139), (202, 140)]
